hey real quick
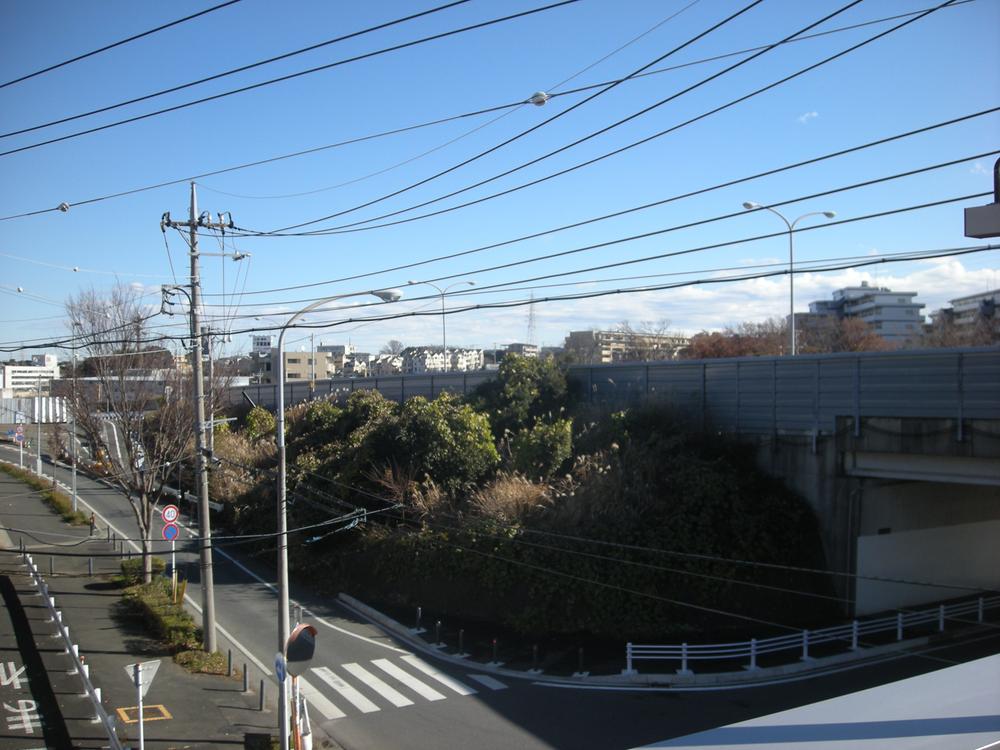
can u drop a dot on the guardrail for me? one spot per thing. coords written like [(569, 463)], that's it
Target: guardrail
[(851, 633), (94, 693)]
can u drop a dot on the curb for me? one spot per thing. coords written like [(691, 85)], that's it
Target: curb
[(744, 678)]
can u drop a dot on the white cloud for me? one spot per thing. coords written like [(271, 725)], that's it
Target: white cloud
[(805, 117), (978, 168)]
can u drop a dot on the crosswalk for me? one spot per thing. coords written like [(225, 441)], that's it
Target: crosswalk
[(353, 688)]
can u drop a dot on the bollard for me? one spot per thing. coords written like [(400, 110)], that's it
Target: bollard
[(114, 538), (246, 679), (805, 645), (109, 533), (229, 664), (854, 636), (534, 658), (76, 653), (52, 565), (261, 708), (461, 642), (416, 624), (90, 566), (899, 626), (941, 618), (979, 610), (495, 645), (437, 633), (753, 654), (684, 658), (97, 707)]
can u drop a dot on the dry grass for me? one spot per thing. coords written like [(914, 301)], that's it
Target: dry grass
[(509, 498)]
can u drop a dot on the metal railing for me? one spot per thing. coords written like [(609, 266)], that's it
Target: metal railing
[(850, 634), (79, 667)]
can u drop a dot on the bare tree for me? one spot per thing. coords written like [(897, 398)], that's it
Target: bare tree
[(392, 346), (650, 340), (139, 418)]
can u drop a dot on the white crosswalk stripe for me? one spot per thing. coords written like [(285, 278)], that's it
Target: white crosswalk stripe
[(352, 694), (487, 681), (388, 692), (317, 699), (418, 687), (383, 678), (446, 680)]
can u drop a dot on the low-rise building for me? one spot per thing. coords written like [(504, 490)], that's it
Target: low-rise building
[(18, 380), (603, 347)]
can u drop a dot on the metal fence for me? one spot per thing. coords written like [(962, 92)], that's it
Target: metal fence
[(45, 409), (79, 667), (806, 394), (748, 395), (848, 635)]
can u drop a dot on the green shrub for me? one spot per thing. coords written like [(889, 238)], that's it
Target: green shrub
[(260, 423), (165, 620), (542, 450), (202, 662), (132, 569)]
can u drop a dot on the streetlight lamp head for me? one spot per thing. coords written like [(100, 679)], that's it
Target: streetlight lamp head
[(411, 281), (388, 295), (829, 214), (750, 205)]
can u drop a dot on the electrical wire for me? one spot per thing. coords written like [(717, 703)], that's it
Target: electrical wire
[(440, 121), (290, 76), (614, 152), (117, 44), (550, 92), (642, 207), (537, 126)]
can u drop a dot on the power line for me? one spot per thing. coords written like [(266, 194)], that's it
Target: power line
[(615, 152), (623, 212), (233, 71), (290, 76), (451, 118), (550, 93), (537, 126), (117, 44)]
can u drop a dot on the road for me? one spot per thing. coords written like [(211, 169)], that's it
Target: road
[(368, 690)]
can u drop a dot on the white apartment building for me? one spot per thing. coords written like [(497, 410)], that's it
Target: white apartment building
[(894, 316), (29, 380), (419, 359), (385, 364), (965, 310)]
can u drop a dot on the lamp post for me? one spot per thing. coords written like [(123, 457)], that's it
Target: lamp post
[(72, 436), (442, 292), (386, 295), (751, 206)]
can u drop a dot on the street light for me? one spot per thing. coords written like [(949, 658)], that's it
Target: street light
[(386, 295), (751, 206), (442, 292)]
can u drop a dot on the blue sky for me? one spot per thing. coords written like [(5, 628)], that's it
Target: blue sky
[(944, 66)]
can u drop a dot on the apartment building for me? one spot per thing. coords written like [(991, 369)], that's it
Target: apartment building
[(895, 316), (604, 347)]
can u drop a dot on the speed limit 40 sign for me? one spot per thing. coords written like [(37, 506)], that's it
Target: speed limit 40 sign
[(169, 513)]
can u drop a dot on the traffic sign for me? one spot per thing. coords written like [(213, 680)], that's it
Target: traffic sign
[(170, 531), (279, 666), (169, 513), (146, 673), (20, 429), (19, 438)]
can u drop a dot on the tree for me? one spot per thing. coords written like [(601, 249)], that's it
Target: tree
[(141, 421), (525, 389), (770, 338), (392, 346), (650, 340), (944, 331)]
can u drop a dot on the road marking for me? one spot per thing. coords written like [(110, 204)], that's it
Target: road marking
[(487, 681), (446, 680), (322, 705), (271, 587), (347, 691), (392, 695), (418, 687), (154, 712)]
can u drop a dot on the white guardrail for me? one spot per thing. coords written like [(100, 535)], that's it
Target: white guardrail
[(100, 715), (851, 633)]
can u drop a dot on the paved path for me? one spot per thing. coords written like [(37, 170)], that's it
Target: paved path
[(181, 709)]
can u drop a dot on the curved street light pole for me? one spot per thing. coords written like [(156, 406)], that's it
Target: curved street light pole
[(442, 292), (751, 206), (386, 295)]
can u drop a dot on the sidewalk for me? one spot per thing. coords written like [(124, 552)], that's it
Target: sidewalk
[(182, 710)]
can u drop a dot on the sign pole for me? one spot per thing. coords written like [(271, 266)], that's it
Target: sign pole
[(138, 691), (20, 452), (173, 571)]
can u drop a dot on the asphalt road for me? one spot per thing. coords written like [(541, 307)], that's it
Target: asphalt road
[(367, 690)]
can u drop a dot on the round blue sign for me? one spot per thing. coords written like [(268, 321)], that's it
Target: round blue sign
[(170, 531)]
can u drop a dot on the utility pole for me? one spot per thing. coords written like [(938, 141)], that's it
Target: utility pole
[(194, 223)]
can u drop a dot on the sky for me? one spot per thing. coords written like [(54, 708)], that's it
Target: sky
[(943, 66)]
